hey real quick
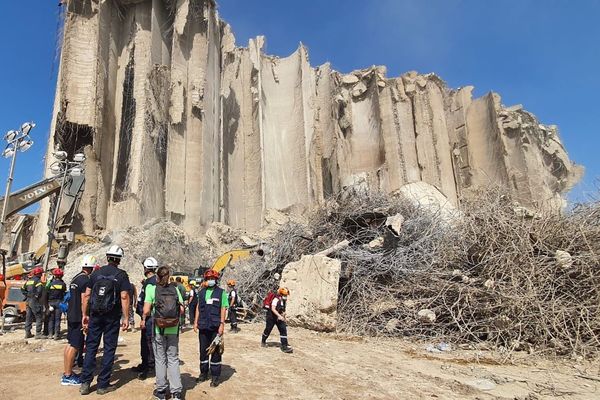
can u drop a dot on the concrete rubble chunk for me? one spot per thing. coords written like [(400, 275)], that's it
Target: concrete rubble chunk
[(394, 223), (426, 316), (563, 259), (185, 125), (350, 79), (313, 283)]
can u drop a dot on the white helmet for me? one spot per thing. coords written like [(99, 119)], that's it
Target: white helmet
[(150, 263), (89, 261), (115, 251)]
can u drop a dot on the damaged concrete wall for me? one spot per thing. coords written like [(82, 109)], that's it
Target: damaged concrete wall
[(178, 122)]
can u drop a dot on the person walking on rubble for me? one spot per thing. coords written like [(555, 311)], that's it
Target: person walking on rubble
[(276, 317), (164, 303), (75, 335), (210, 324), (104, 302), (146, 332)]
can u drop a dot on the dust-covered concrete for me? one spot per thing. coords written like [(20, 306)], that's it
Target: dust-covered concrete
[(180, 123)]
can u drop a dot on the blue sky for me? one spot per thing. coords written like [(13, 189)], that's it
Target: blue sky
[(544, 54)]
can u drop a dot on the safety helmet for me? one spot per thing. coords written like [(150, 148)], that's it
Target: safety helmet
[(211, 274), (37, 271), (231, 282), (192, 283), (57, 272), (89, 261), (115, 252), (283, 291), (150, 263)]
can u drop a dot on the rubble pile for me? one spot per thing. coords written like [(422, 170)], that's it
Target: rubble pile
[(496, 275), (161, 239)]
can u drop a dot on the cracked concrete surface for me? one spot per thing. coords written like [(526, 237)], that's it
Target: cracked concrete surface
[(180, 123)]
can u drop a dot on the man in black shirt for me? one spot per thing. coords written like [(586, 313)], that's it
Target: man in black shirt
[(146, 367), (75, 336), (104, 301)]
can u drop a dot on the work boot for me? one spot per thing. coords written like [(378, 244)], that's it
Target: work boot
[(203, 377), (105, 390), (84, 389), (139, 368), (214, 382), (39, 336), (235, 329), (287, 349), (56, 336), (159, 395), (28, 335)]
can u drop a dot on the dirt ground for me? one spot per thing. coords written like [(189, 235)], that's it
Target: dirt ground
[(323, 366)]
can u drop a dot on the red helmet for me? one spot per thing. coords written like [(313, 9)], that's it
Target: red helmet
[(37, 271), (57, 272), (211, 274)]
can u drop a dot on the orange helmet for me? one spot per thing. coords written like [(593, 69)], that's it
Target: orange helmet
[(57, 272), (231, 282), (37, 271), (211, 274), (283, 291)]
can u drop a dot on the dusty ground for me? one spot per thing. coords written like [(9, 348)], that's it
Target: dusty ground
[(322, 367)]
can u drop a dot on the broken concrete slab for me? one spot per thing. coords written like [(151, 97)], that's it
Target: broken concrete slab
[(313, 283)]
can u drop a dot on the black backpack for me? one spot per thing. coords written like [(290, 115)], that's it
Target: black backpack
[(105, 295), (166, 306)]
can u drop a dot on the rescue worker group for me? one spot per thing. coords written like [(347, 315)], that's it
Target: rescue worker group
[(100, 301)]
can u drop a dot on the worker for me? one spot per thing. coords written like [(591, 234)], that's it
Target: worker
[(164, 303), (32, 290), (184, 294), (56, 292), (276, 316), (146, 367), (233, 303), (210, 322), (133, 295), (75, 335), (104, 302), (193, 301)]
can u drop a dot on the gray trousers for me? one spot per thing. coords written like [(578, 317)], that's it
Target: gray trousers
[(166, 362)]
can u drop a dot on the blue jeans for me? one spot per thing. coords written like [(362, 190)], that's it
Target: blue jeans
[(107, 329)]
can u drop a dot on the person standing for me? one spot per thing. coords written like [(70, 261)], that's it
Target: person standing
[(276, 317), (75, 336), (164, 303), (32, 290), (193, 301), (104, 302), (146, 330), (210, 323), (56, 292), (184, 295), (233, 303)]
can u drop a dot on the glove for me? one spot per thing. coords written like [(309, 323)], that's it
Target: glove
[(51, 308), (215, 344), (222, 346)]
